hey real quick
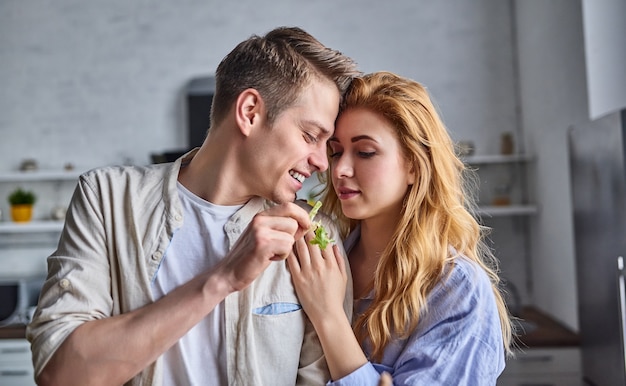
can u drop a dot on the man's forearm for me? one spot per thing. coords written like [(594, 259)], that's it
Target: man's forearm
[(111, 351)]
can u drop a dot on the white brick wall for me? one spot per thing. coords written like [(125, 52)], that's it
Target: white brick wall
[(101, 82)]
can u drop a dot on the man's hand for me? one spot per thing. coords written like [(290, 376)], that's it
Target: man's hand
[(269, 237)]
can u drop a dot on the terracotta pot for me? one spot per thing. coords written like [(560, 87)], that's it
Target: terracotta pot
[(22, 212)]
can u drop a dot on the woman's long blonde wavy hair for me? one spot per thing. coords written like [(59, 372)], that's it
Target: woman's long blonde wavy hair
[(438, 213)]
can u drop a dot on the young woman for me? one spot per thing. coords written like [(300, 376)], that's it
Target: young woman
[(428, 309)]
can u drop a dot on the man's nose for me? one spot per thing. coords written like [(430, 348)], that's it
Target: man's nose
[(319, 159)]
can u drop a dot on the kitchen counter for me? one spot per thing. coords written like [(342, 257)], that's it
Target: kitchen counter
[(17, 331), (543, 331)]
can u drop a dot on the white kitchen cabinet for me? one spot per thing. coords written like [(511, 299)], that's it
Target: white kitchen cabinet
[(543, 367), (16, 367)]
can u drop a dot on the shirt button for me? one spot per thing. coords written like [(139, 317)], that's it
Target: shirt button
[(157, 255), (64, 283), (178, 217)]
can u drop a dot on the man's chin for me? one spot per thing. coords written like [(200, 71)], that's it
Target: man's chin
[(282, 198)]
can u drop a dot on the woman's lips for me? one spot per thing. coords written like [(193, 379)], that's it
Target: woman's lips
[(345, 194)]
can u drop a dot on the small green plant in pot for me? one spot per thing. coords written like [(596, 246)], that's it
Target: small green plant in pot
[(22, 202)]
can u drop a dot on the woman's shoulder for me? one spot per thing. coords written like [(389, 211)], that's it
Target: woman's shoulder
[(464, 281), (463, 269)]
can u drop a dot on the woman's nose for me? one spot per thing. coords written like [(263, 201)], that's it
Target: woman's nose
[(342, 167)]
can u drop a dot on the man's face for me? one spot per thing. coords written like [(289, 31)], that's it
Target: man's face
[(295, 146)]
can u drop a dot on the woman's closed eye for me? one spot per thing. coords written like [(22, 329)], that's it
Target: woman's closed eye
[(360, 154), (335, 154), (334, 149)]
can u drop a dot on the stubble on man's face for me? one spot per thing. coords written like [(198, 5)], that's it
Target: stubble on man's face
[(295, 145)]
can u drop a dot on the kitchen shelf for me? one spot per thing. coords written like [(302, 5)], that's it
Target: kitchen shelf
[(508, 210), (514, 163), (35, 226), (57, 176), (497, 159), (40, 175)]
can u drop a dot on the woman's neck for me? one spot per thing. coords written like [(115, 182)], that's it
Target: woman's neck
[(364, 257)]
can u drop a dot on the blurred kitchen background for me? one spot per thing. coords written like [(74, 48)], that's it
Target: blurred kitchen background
[(91, 83)]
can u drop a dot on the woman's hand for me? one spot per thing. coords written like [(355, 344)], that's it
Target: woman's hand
[(385, 379), (320, 278)]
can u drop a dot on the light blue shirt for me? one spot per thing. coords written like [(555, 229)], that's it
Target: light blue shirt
[(458, 341)]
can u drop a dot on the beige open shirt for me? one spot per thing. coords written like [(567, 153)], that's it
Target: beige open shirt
[(118, 227)]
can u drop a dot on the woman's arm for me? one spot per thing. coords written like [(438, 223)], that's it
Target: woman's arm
[(320, 279), (457, 342)]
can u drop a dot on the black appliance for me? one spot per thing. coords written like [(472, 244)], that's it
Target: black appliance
[(598, 174), (198, 99), (199, 93), (18, 297)]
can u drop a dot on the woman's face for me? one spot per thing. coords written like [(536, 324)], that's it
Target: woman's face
[(369, 172)]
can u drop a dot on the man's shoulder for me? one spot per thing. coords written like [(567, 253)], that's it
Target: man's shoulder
[(137, 183), (127, 173)]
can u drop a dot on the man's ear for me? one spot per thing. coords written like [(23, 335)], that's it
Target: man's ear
[(248, 110)]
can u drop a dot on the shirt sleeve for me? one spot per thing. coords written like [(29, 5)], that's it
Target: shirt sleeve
[(366, 375), (77, 288), (458, 340)]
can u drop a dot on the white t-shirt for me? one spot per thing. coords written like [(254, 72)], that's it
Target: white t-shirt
[(198, 358)]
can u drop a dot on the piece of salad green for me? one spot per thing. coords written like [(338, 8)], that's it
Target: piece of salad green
[(321, 236)]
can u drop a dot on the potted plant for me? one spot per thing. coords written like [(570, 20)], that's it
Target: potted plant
[(22, 202)]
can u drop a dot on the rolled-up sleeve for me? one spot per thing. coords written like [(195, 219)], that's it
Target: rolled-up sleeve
[(78, 286)]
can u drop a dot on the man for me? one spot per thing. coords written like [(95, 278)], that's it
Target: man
[(174, 273)]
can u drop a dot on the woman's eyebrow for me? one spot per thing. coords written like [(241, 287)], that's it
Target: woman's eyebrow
[(353, 139), (361, 137)]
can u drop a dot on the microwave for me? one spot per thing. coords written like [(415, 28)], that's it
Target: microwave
[(18, 298)]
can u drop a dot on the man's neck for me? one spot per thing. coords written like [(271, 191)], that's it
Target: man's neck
[(213, 172)]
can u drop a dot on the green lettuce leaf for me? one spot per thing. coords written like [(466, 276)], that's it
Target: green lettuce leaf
[(321, 236)]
